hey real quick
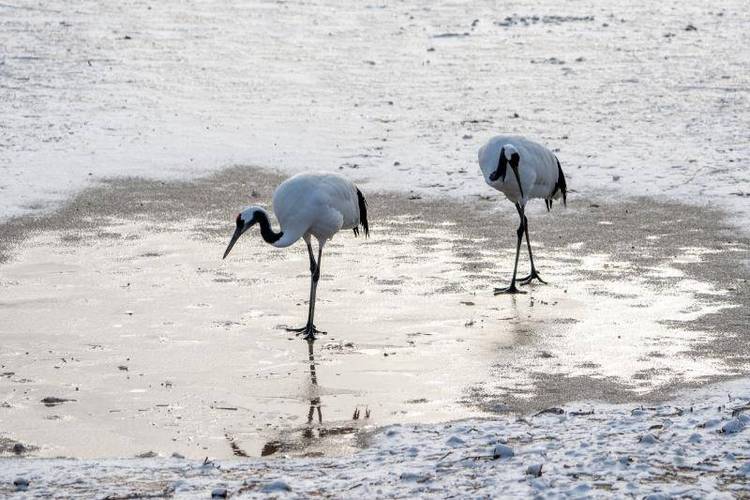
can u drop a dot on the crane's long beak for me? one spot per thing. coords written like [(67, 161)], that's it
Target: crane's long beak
[(518, 178), (235, 237)]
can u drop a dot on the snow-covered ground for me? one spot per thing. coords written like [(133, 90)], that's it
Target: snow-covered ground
[(639, 97), (695, 446)]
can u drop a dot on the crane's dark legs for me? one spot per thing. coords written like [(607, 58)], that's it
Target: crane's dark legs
[(520, 231), (309, 329), (533, 274)]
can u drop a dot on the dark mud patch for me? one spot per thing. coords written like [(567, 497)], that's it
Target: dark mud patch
[(51, 401), (641, 232)]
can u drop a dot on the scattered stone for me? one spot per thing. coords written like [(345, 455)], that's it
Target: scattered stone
[(534, 470), (733, 426), (502, 451), (276, 486), (455, 441), (712, 422), (21, 484), (219, 493), (648, 439), (19, 449)]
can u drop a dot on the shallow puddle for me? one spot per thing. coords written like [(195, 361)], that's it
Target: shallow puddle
[(160, 346)]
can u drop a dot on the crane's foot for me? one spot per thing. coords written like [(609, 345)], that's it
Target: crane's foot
[(308, 331), (532, 276), (511, 289)]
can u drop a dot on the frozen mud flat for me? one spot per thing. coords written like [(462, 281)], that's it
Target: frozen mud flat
[(146, 342), (694, 446)]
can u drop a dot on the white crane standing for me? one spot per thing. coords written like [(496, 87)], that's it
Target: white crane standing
[(307, 205), (536, 173)]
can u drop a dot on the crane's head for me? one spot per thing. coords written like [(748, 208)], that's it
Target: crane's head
[(508, 154), (245, 220)]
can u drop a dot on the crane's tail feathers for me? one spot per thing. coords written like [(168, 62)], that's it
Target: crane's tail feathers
[(362, 214), (560, 185)]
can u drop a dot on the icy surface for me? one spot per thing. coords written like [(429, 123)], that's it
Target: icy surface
[(638, 97), (591, 450)]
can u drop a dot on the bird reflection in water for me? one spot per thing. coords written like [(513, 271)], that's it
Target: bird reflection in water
[(313, 432), (314, 392)]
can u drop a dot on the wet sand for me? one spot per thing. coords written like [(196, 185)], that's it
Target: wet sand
[(121, 305)]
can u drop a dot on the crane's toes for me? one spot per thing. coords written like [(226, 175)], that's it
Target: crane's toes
[(307, 332), (510, 289), (302, 329), (531, 277)]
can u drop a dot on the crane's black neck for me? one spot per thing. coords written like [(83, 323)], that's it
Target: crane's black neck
[(269, 235)]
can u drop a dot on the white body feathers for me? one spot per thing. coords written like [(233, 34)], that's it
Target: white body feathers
[(538, 169), (315, 204)]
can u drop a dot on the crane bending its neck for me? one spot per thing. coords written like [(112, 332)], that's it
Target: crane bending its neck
[(247, 219), (266, 231)]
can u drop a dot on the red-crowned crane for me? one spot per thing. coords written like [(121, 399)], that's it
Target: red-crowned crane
[(307, 205), (535, 172)]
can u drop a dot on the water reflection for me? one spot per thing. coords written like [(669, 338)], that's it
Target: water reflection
[(314, 390), (313, 434)]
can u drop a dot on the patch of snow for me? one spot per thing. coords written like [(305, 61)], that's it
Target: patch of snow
[(598, 454)]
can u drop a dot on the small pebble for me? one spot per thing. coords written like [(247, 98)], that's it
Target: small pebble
[(648, 439), (21, 484), (534, 470), (502, 451), (455, 441), (733, 426), (219, 493), (695, 438), (276, 486)]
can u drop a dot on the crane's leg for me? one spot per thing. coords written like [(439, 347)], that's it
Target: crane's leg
[(533, 274), (309, 329), (520, 231)]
